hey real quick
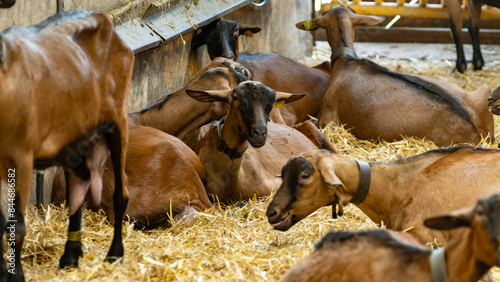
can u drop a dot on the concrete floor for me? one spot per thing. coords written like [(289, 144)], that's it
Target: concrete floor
[(421, 51)]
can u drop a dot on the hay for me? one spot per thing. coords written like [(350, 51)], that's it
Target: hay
[(229, 243)]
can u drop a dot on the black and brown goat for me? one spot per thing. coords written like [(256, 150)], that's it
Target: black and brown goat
[(379, 255), (400, 193), (275, 71), (235, 170), (378, 103)]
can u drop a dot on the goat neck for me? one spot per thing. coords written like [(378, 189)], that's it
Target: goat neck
[(377, 203), (177, 114), (465, 261), (228, 133)]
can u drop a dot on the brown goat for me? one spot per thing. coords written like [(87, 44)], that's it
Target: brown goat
[(455, 11), (379, 255), (378, 103), (275, 71), (237, 171), (165, 180), (400, 193), (179, 115), (65, 84)]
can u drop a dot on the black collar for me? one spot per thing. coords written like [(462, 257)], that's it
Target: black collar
[(365, 176), (223, 147), (343, 51)]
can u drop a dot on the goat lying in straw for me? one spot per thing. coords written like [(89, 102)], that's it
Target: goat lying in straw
[(378, 103), (236, 170), (379, 255), (400, 193)]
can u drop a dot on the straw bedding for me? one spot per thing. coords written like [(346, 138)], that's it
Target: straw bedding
[(226, 243)]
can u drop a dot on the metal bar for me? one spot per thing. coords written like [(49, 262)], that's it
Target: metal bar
[(162, 26), (411, 11)]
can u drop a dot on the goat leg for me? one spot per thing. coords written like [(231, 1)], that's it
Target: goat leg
[(473, 25), (73, 249), (117, 139)]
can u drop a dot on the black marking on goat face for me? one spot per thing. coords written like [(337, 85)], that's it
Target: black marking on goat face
[(279, 213), (488, 209), (493, 101), (221, 37), (255, 103), (292, 172)]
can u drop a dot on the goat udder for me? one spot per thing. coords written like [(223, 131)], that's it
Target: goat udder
[(77, 190)]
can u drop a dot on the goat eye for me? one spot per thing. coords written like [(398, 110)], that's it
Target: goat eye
[(305, 175)]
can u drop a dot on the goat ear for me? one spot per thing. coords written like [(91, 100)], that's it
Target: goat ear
[(198, 41), (246, 27), (287, 97), (325, 167), (366, 19), (210, 95), (310, 25), (453, 220)]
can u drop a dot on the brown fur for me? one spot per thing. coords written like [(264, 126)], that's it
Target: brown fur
[(315, 135), (164, 176), (179, 115), (377, 105), (379, 255), (401, 193), (254, 173), (275, 71), (60, 79)]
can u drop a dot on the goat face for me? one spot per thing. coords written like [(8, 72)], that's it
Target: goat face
[(339, 23), (221, 37), (301, 192), (494, 101), (250, 104), (484, 221)]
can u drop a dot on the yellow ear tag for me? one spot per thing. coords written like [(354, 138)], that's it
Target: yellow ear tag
[(279, 104), (308, 25), (248, 33)]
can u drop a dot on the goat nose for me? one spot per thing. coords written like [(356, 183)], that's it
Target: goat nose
[(271, 213), (259, 131)]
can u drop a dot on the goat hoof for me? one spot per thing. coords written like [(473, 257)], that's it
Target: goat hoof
[(478, 64), (115, 253), (72, 252), (461, 67), (112, 259)]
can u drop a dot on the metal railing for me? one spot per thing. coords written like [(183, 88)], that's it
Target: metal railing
[(422, 8)]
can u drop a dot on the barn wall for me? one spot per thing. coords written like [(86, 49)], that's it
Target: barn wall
[(27, 12)]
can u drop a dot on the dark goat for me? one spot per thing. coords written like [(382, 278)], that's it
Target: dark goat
[(379, 255), (275, 71), (455, 11)]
